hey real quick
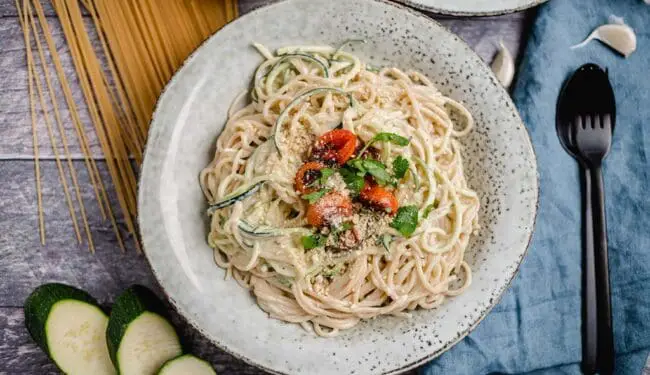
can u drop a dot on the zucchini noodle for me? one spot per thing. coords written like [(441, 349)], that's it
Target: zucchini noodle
[(258, 218)]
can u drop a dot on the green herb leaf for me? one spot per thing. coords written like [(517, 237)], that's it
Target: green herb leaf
[(406, 220), (390, 137), (400, 166), (353, 181), (429, 208), (386, 137), (377, 170), (385, 240), (315, 196), (325, 173), (342, 227), (313, 241), (373, 167), (332, 271)]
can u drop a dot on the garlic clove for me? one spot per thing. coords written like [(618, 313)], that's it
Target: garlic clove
[(617, 35), (503, 65)]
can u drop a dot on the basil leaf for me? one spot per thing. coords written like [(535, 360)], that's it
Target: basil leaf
[(352, 180), (313, 241), (406, 220), (377, 170), (429, 208), (400, 166), (315, 196), (390, 137)]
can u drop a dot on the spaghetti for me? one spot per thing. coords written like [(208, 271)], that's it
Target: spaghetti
[(307, 178), (141, 46)]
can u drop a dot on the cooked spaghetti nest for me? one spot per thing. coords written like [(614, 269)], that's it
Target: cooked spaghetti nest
[(365, 260)]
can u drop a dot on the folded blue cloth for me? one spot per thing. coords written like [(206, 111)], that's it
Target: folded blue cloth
[(536, 327)]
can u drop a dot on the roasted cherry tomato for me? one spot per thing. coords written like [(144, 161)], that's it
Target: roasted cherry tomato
[(379, 198), (306, 175), (327, 209), (337, 146)]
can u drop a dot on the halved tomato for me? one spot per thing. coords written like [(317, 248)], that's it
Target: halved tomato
[(306, 175), (337, 146), (330, 207), (379, 198)]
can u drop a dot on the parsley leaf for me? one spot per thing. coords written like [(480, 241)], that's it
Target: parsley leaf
[(353, 181), (315, 196), (313, 241), (429, 208), (386, 137), (390, 137), (325, 173), (342, 227), (373, 167), (385, 240), (406, 220), (332, 271), (400, 166), (377, 170)]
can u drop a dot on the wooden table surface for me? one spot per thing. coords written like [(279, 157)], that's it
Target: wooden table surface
[(25, 264)]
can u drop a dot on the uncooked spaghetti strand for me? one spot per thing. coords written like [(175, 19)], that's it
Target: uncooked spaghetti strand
[(85, 86), (130, 80), (110, 120), (94, 174), (57, 157), (136, 136), (64, 138), (32, 106), (88, 160)]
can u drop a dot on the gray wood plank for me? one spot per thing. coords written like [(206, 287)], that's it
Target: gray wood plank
[(15, 116), (25, 264)]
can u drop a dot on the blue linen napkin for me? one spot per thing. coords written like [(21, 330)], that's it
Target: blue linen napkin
[(536, 328)]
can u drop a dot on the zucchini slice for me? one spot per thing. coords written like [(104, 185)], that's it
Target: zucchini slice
[(264, 231), (259, 74), (186, 365), (297, 100), (69, 326), (140, 340), (238, 195)]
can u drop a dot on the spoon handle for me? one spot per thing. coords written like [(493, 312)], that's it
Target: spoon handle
[(589, 299), (604, 313)]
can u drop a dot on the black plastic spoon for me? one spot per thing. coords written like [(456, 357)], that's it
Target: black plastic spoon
[(585, 120)]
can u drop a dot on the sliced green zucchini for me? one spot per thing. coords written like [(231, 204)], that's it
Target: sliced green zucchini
[(238, 195), (259, 74), (297, 100), (140, 340), (265, 231), (69, 326), (186, 365)]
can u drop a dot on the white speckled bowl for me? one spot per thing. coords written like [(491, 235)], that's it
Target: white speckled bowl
[(499, 161), (473, 7)]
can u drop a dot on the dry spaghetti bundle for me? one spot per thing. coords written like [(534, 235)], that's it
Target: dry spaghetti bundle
[(141, 44)]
